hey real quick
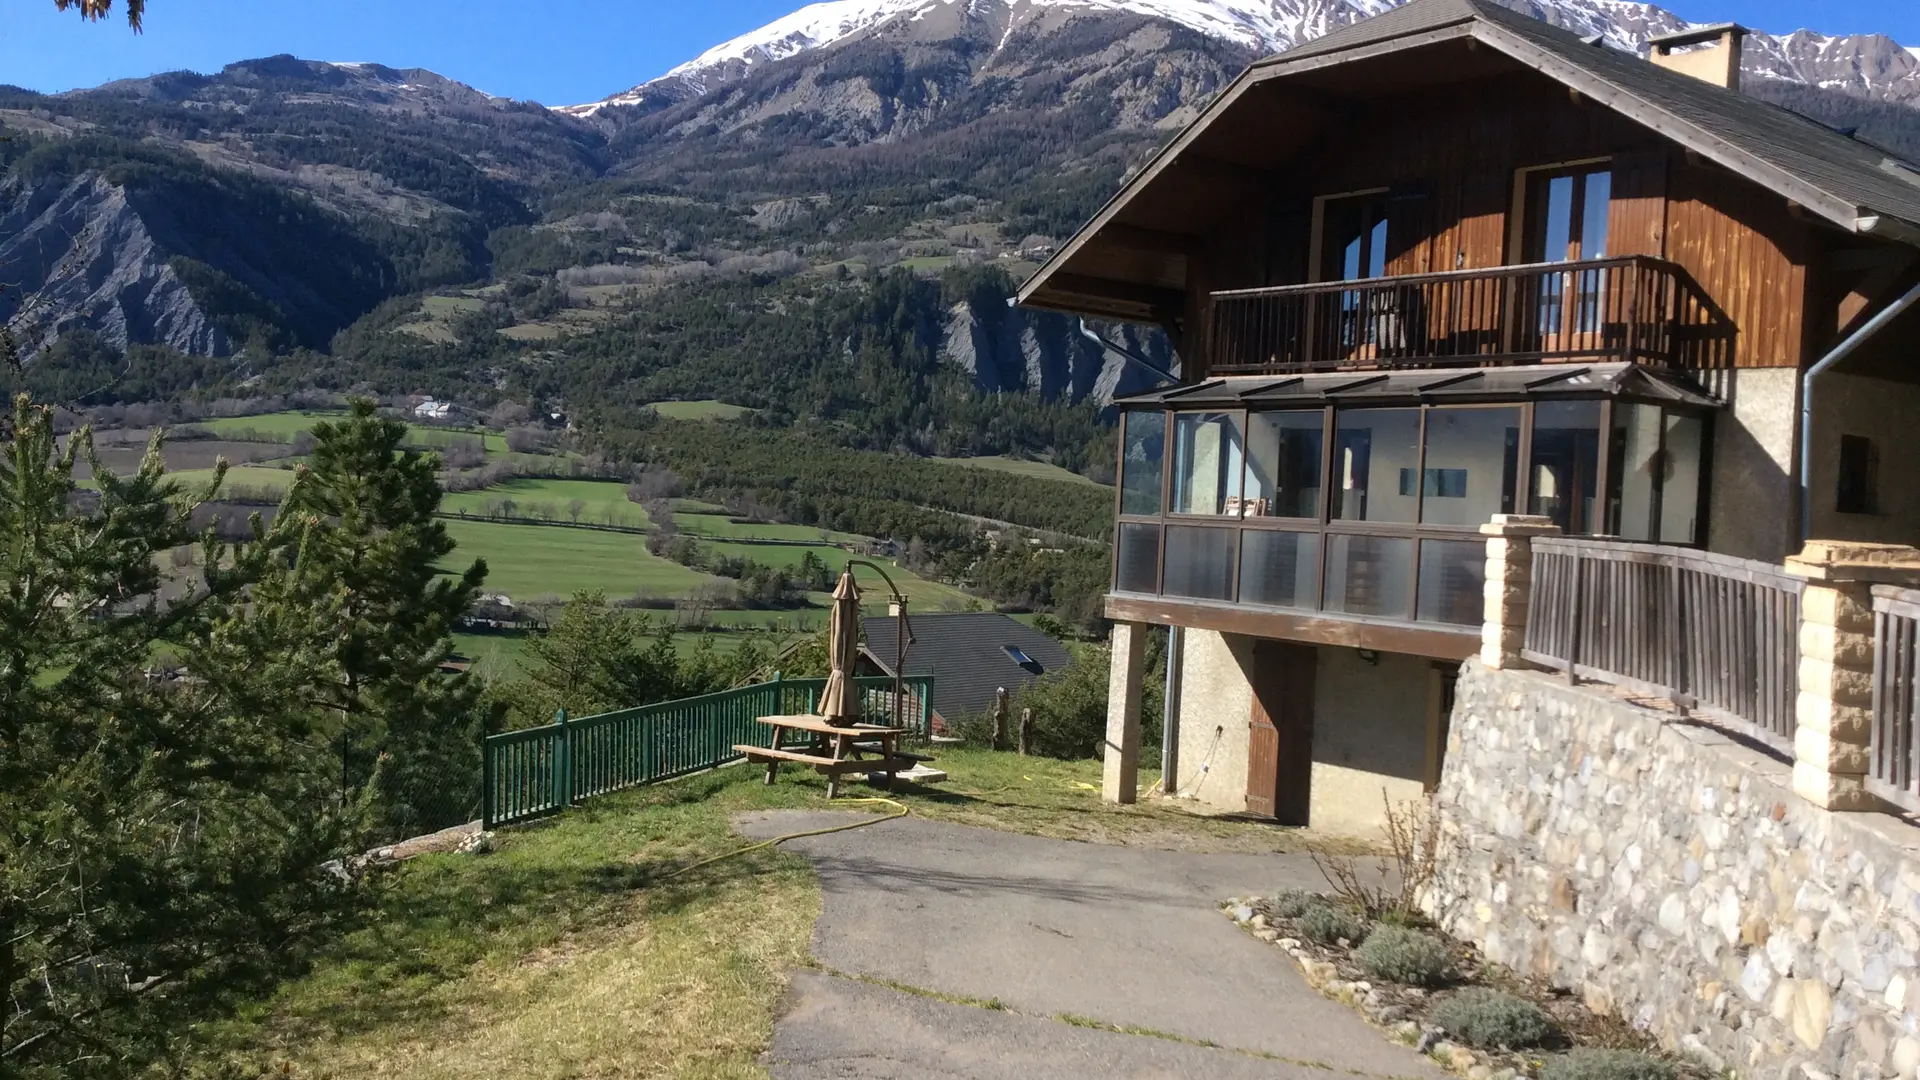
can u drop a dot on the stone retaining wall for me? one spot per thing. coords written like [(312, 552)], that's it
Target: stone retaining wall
[(1669, 875)]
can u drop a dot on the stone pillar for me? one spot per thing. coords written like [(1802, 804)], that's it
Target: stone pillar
[(1509, 582), (1126, 679), (1834, 712)]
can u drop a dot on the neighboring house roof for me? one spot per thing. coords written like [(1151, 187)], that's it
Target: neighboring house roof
[(1852, 183), (969, 654)]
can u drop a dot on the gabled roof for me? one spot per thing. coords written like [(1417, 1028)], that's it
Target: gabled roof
[(970, 654), (1850, 183)]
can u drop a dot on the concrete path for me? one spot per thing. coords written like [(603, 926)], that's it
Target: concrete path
[(1051, 928)]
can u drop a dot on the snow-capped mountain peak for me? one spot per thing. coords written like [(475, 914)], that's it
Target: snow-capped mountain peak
[(1870, 65)]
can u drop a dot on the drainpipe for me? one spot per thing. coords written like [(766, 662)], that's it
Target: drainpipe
[(1840, 352), (1170, 718), (1087, 332)]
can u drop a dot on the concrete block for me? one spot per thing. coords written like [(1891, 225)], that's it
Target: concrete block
[(1818, 750)]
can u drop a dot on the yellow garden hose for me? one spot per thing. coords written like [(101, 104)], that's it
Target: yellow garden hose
[(904, 811)]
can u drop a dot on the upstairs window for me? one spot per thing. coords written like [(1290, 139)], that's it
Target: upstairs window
[(1857, 490)]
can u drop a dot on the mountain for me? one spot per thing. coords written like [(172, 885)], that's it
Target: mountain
[(732, 229), (1870, 66)]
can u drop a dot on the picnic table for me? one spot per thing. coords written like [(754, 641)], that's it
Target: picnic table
[(833, 749)]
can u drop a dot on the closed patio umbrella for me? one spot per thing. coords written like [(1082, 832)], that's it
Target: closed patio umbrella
[(840, 702)]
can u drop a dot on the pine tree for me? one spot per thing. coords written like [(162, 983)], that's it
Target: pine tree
[(401, 722), (163, 841)]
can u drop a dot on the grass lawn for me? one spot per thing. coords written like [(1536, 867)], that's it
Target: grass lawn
[(924, 595), (606, 501), (525, 561), (286, 425), (1019, 467), (699, 410), (574, 951)]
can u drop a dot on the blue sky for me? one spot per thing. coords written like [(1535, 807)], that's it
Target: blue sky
[(544, 50)]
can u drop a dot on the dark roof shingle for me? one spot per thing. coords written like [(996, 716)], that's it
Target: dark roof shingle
[(967, 655)]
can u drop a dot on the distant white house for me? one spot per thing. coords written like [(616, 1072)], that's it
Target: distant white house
[(433, 410)]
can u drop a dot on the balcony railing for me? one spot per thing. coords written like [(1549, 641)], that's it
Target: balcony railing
[(1360, 571), (1635, 308)]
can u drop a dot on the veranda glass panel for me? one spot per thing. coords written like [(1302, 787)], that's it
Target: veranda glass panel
[(1283, 464), (1680, 481), (1208, 458), (1199, 562), (1371, 447), (1634, 471), (1472, 468), (1143, 449), (1565, 469), (1280, 569), (1453, 577), (1369, 575), (1138, 553)]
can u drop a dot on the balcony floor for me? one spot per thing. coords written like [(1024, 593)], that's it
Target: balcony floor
[(1440, 641)]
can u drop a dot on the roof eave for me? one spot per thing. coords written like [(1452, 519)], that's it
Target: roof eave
[(1260, 71), (1694, 137)]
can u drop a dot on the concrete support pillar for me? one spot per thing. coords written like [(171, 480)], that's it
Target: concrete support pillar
[(1834, 712), (1120, 772), (1509, 583)]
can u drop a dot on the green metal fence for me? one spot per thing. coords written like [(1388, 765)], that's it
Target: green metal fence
[(538, 771)]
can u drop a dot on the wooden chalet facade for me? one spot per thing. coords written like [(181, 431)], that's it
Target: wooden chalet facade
[(1452, 262)]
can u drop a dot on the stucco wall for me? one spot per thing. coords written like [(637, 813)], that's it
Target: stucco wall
[(1216, 709), (1369, 729), (1369, 737), (1751, 515), (1886, 413), (1671, 877)]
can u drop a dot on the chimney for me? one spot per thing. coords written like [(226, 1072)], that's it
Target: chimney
[(1717, 63)]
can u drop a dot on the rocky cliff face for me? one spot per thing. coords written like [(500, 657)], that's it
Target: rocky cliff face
[(1018, 351), (82, 247)]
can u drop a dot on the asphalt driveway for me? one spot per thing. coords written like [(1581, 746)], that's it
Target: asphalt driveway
[(1063, 935)]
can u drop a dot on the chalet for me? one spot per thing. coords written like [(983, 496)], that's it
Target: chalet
[(1449, 263)]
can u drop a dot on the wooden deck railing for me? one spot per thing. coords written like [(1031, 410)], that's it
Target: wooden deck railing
[(1635, 308), (1891, 768), (1716, 635)]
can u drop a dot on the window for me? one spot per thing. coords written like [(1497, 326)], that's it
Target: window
[(1019, 656), (1283, 464), (1370, 447), (1634, 467), (1857, 491), (1567, 221), (1565, 467), (1472, 465), (1142, 452), (1208, 459), (1680, 479)]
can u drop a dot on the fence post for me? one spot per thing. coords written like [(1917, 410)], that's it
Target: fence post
[(1026, 732), (562, 763), (1503, 633), (1834, 710), (487, 785), (1000, 718)]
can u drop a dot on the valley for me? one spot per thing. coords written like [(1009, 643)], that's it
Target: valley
[(550, 535)]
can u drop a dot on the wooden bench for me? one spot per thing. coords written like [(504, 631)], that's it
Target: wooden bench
[(834, 750)]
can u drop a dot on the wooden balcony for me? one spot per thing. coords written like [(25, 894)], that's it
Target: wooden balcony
[(1635, 309)]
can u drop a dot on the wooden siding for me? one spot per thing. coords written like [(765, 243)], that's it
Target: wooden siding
[(1455, 163), (1748, 253)]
